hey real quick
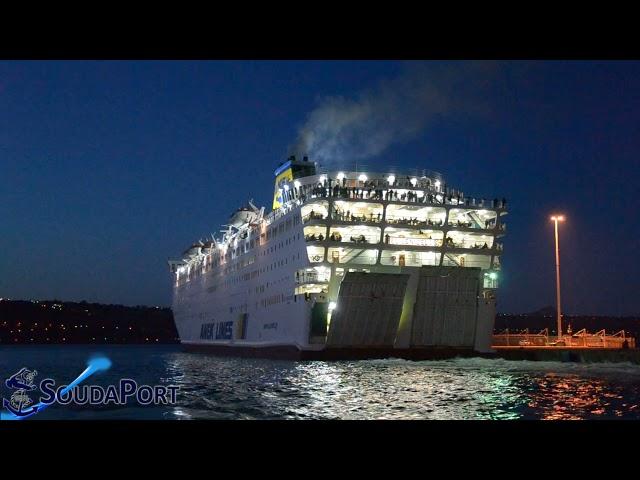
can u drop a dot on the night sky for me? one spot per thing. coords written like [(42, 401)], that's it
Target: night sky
[(109, 168)]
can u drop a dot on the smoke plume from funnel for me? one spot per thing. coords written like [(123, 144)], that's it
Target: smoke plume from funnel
[(396, 111)]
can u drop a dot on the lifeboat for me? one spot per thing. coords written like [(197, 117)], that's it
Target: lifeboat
[(193, 251), (242, 216)]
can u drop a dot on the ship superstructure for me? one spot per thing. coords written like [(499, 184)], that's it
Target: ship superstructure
[(349, 263)]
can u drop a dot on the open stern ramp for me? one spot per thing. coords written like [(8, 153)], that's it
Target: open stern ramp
[(424, 307), (369, 309), (446, 308)]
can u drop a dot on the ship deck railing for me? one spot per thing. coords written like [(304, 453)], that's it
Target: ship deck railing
[(375, 218), (302, 279), (405, 244), (314, 216), (430, 199), (353, 239)]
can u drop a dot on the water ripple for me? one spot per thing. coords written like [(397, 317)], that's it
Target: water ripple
[(233, 388), (397, 389)]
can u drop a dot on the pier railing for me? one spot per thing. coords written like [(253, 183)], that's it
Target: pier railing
[(580, 339)]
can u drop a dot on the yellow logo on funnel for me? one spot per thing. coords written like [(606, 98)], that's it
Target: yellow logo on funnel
[(287, 175)]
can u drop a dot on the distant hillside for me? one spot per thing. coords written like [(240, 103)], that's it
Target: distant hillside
[(53, 321), (547, 311)]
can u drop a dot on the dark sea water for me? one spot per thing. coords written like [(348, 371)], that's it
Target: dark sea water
[(234, 388)]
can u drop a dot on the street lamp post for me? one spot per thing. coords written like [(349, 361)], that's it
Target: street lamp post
[(556, 219)]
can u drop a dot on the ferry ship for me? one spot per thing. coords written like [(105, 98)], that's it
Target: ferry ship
[(349, 263)]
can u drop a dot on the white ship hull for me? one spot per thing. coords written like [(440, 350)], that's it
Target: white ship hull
[(209, 309)]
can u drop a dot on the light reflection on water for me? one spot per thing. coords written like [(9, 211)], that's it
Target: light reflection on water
[(397, 389), (233, 388)]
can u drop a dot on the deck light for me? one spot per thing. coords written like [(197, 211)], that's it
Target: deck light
[(391, 179), (362, 177), (341, 176)]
